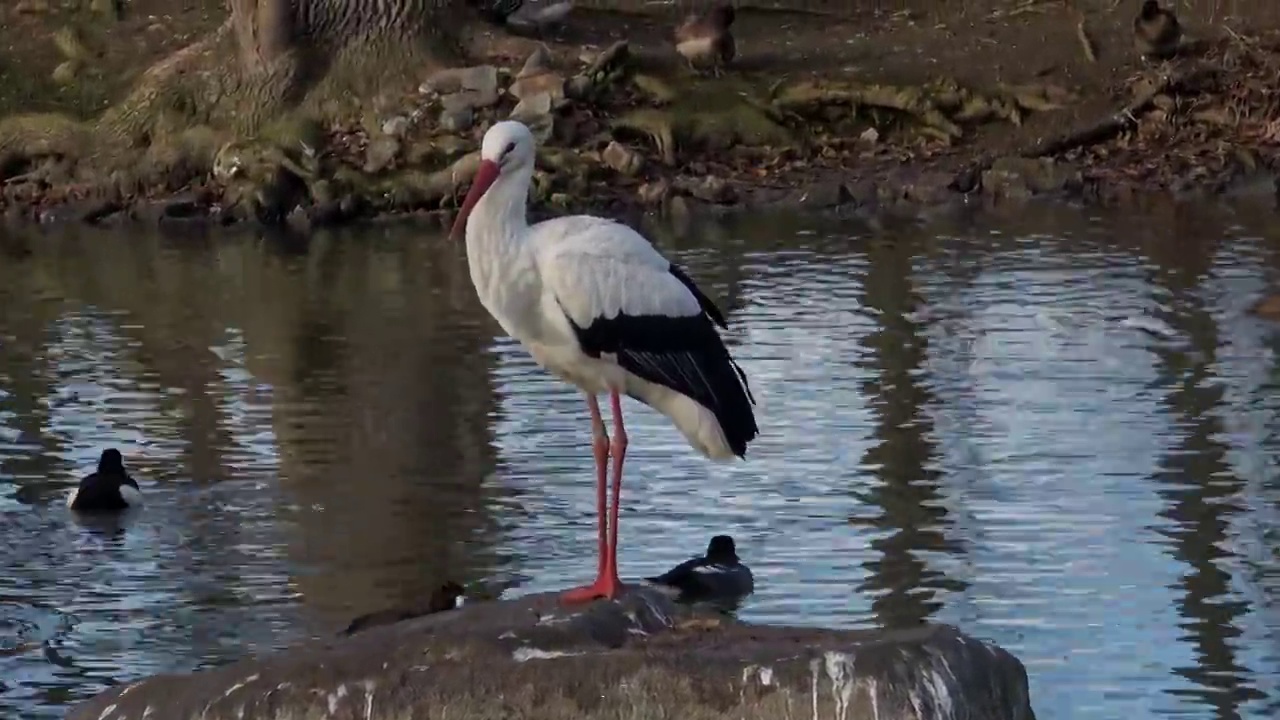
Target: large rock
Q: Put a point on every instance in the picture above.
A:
(638, 657)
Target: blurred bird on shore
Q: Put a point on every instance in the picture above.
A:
(705, 40)
(1156, 32)
(537, 16)
(495, 12)
(521, 15)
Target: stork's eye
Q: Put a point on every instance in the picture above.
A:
(510, 146)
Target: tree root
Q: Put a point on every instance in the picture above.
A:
(938, 109)
(1123, 119)
(703, 114)
(24, 138)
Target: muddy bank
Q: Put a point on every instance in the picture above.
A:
(640, 656)
(998, 102)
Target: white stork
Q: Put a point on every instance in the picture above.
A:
(594, 303)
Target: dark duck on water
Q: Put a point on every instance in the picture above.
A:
(495, 12)
(717, 576)
(518, 14)
(108, 489)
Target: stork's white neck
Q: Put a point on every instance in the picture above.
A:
(500, 216)
(496, 230)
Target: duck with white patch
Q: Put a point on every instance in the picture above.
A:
(107, 489)
(718, 576)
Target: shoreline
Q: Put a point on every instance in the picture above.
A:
(904, 190)
(627, 132)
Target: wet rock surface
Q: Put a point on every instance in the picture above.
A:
(639, 656)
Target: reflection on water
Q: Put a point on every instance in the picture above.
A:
(1054, 430)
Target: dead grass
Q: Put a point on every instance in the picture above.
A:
(148, 31)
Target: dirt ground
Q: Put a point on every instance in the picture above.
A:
(1201, 121)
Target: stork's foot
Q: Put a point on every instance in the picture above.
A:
(606, 588)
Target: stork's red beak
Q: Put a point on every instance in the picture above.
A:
(485, 177)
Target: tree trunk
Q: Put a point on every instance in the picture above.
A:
(263, 30)
(266, 29)
(272, 55)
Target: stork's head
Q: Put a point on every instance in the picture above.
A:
(507, 147)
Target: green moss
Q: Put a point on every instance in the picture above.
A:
(293, 132)
(704, 113)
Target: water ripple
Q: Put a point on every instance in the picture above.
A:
(1045, 429)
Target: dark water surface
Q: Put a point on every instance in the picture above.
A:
(1056, 429)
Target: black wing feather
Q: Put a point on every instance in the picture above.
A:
(679, 574)
(685, 354)
(704, 302)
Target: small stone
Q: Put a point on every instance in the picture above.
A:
(578, 87)
(178, 207)
(535, 111)
(538, 63)
(350, 205)
(678, 209)
(380, 154)
(1020, 178)
(537, 16)
(476, 86)
(654, 193)
(622, 158)
(547, 83)
(457, 119)
(228, 164)
(870, 136)
(821, 195)
(90, 211)
(930, 187)
(110, 9)
(482, 79)
(396, 126)
(469, 99)
(325, 213)
(710, 189)
(15, 214)
(456, 101)
(451, 147)
(322, 193)
(31, 7)
(299, 220)
(65, 73)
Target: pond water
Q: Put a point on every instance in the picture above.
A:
(1055, 428)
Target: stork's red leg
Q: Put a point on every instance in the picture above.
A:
(600, 447)
(619, 452)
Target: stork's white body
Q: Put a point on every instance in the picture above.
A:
(598, 306)
(531, 277)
